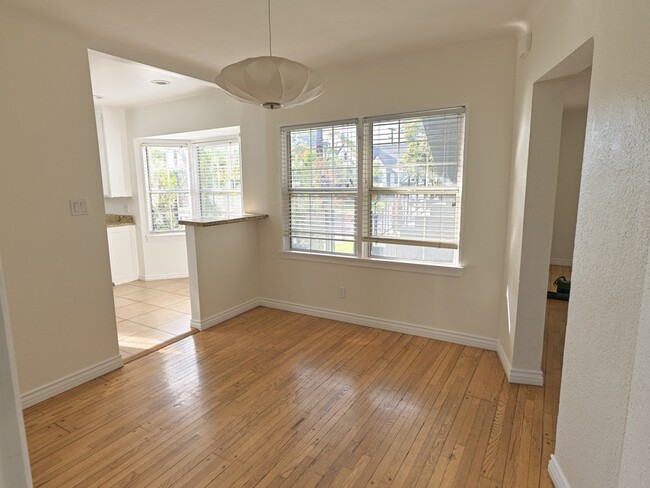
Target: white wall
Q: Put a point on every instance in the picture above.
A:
(166, 256)
(56, 266)
(14, 455)
(224, 271)
(572, 144)
(602, 433)
(558, 30)
(480, 74)
(120, 206)
(606, 345)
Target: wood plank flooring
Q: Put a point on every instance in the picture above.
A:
(278, 399)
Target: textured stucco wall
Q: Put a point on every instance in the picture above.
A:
(606, 342)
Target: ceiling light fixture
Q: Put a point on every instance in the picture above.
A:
(270, 81)
(161, 82)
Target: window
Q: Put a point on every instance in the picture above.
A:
(413, 170)
(219, 178)
(191, 179)
(320, 194)
(408, 207)
(167, 172)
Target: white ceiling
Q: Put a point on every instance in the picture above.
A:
(125, 83)
(200, 37)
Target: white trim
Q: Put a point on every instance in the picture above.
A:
(556, 473)
(519, 376)
(55, 387)
(378, 323)
(167, 276)
(436, 269)
(561, 262)
(225, 315)
(125, 278)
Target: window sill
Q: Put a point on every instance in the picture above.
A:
(434, 269)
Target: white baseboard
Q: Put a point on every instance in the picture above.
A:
(168, 276)
(517, 375)
(119, 280)
(556, 473)
(53, 388)
(378, 323)
(561, 262)
(225, 315)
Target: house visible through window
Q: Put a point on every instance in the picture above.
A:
(191, 179)
(413, 168)
(408, 206)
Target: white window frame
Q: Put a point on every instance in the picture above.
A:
(194, 189)
(288, 191)
(362, 256)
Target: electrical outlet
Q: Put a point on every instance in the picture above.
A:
(341, 292)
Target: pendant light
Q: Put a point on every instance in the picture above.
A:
(270, 81)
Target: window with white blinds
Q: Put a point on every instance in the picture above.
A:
(320, 188)
(408, 207)
(413, 179)
(167, 175)
(219, 178)
(191, 179)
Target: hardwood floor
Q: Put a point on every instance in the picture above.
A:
(278, 399)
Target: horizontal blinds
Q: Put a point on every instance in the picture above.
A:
(218, 174)
(320, 187)
(167, 176)
(413, 180)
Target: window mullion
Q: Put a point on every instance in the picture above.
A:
(194, 181)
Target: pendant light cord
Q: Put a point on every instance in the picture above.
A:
(269, 9)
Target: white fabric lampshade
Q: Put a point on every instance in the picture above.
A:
(271, 82)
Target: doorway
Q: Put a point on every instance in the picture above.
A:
(547, 113)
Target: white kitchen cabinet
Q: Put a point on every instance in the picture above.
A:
(123, 253)
(113, 147)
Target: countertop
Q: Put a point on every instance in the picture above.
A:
(116, 220)
(208, 222)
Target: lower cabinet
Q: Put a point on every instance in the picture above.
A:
(123, 253)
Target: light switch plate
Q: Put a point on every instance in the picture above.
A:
(78, 207)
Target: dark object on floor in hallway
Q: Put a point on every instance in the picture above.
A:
(557, 296)
(563, 287)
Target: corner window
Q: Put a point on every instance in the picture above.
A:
(191, 179)
(408, 206)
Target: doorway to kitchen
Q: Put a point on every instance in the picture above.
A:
(150, 314)
(147, 248)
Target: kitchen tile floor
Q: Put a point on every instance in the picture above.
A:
(150, 313)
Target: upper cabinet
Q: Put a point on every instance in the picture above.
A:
(111, 134)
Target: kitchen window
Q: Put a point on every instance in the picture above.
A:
(186, 180)
(408, 206)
